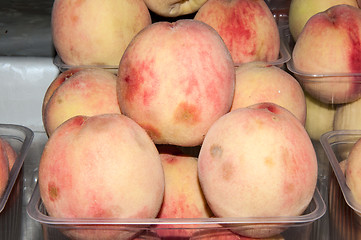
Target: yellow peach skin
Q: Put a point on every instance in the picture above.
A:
(258, 82)
(87, 92)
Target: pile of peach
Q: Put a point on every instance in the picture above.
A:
(195, 123)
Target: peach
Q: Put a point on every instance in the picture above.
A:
(247, 27)
(4, 170)
(55, 84)
(10, 153)
(175, 79)
(319, 118)
(329, 45)
(258, 82)
(95, 32)
(174, 8)
(348, 116)
(183, 197)
(87, 92)
(302, 10)
(104, 166)
(353, 171)
(258, 161)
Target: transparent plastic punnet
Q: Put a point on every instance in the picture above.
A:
(192, 228)
(337, 146)
(20, 138)
(284, 57)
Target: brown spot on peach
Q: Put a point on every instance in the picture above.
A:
(227, 171)
(187, 113)
(269, 161)
(53, 191)
(216, 151)
(152, 131)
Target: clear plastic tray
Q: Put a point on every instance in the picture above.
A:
(337, 145)
(284, 57)
(287, 226)
(20, 138)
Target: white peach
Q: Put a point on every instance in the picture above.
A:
(175, 79)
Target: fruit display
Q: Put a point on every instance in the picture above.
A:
(190, 77)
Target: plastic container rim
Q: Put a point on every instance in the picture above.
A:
(25, 146)
(334, 162)
(284, 57)
(35, 202)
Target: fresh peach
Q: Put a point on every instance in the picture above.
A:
(104, 166)
(330, 45)
(247, 27)
(55, 84)
(183, 197)
(10, 153)
(95, 32)
(302, 10)
(87, 92)
(258, 82)
(175, 79)
(4, 170)
(258, 161)
(174, 8)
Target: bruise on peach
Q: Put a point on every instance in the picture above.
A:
(53, 191)
(152, 131)
(216, 151)
(187, 113)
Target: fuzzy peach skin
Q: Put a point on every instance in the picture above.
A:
(175, 79)
(302, 10)
(87, 92)
(258, 161)
(10, 152)
(353, 171)
(258, 82)
(329, 44)
(247, 27)
(183, 196)
(55, 84)
(96, 32)
(4, 170)
(105, 166)
(174, 8)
